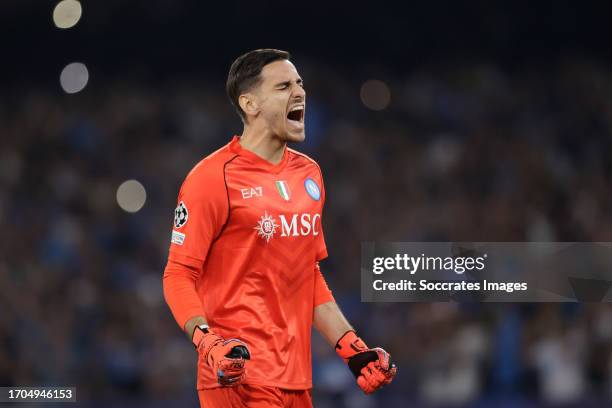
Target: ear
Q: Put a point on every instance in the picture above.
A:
(249, 104)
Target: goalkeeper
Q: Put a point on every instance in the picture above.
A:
(243, 278)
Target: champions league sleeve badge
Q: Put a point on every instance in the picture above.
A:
(312, 188)
(180, 215)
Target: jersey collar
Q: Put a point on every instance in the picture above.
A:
(237, 148)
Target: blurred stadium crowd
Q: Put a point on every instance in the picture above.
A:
(470, 153)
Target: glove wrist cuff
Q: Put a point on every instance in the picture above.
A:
(350, 344)
(197, 336)
(204, 342)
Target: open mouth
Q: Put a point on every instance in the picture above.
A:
(296, 114)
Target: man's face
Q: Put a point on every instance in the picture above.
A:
(282, 100)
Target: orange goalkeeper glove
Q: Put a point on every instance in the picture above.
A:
(371, 367)
(226, 357)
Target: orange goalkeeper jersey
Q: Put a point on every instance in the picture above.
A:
(252, 232)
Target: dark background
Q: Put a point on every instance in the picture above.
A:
(163, 39)
(497, 129)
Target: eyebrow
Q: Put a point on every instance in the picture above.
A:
(286, 83)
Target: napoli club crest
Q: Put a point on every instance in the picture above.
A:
(312, 188)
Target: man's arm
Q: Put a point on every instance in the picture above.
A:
(327, 317)
(372, 367)
(330, 322)
(179, 285)
(225, 357)
(191, 325)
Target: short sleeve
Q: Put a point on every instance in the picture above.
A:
(201, 212)
(322, 294)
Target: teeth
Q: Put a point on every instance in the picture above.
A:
(297, 107)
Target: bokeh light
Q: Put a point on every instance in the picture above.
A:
(74, 77)
(67, 13)
(131, 196)
(375, 94)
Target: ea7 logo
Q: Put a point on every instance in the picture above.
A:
(300, 224)
(251, 192)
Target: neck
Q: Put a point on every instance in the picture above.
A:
(263, 143)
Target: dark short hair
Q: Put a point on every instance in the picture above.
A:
(245, 73)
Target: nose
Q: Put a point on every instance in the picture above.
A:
(299, 92)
